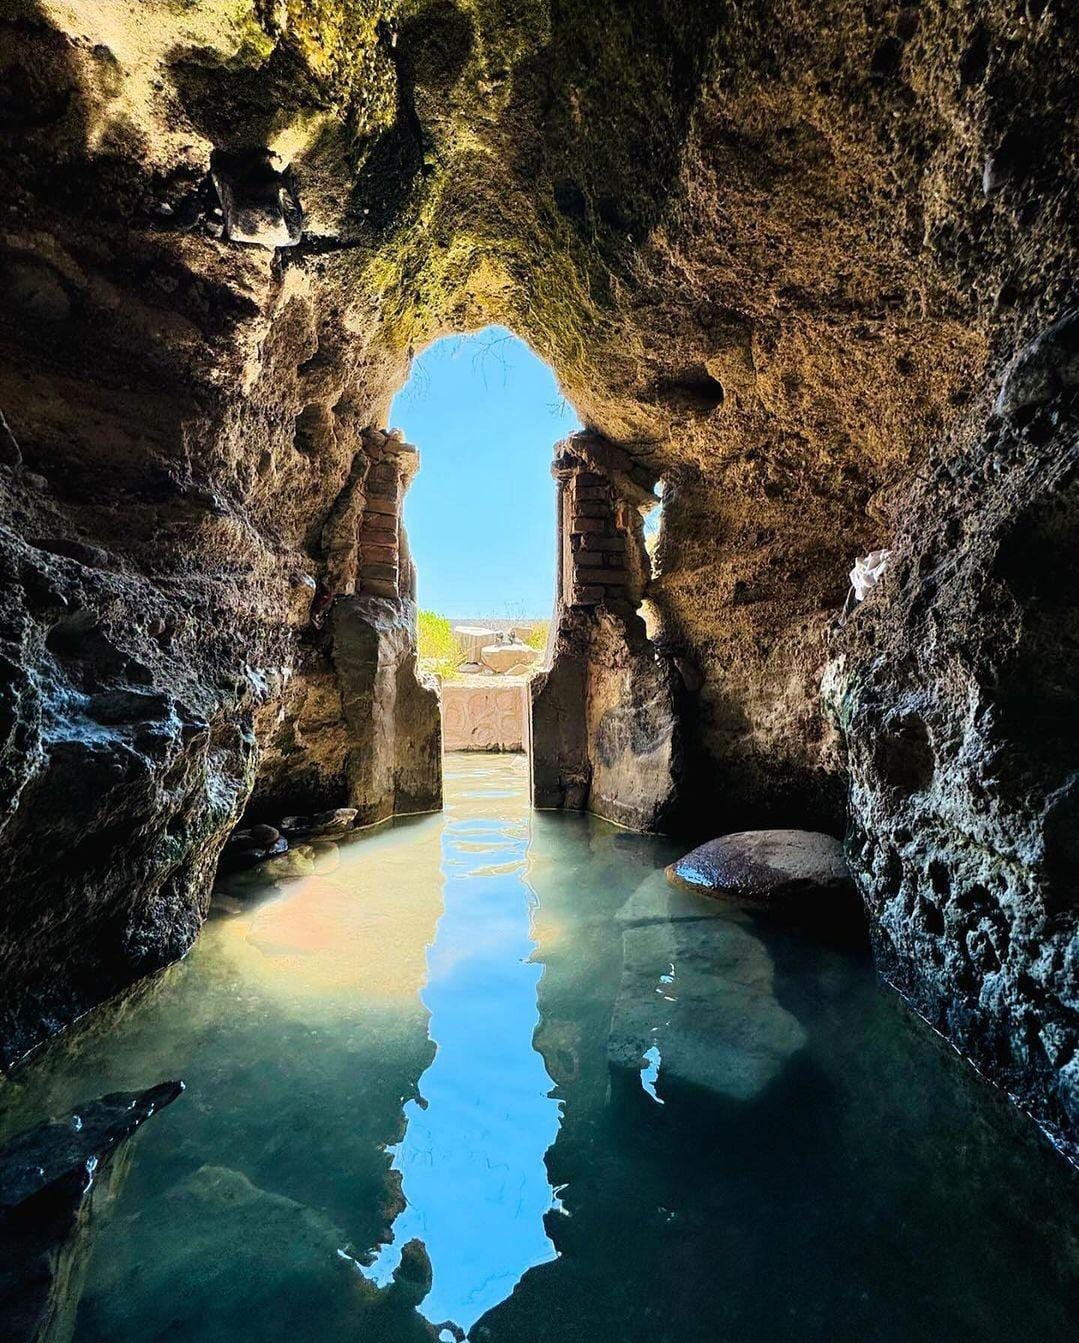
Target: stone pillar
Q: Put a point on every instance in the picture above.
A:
(383, 570)
(604, 728)
(394, 762)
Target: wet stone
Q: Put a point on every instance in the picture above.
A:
(767, 867)
(47, 1176)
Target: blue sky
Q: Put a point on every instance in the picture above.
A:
(485, 413)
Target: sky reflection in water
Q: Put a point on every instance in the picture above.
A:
(472, 1158)
(751, 1137)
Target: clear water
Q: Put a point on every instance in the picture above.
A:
(609, 1112)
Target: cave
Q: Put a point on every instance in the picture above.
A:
(807, 276)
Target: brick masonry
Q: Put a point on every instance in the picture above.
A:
(595, 537)
(384, 568)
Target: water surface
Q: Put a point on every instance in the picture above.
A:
(484, 1072)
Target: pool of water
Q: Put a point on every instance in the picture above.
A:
(484, 1072)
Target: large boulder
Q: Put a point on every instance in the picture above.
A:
(767, 867)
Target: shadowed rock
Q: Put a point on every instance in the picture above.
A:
(697, 998)
(47, 1177)
(259, 203)
(1046, 368)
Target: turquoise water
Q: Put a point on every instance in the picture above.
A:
(608, 1111)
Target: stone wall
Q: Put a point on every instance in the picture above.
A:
(605, 732)
(361, 726)
(490, 717)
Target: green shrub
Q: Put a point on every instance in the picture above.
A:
(537, 636)
(436, 645)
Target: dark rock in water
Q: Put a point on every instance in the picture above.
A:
(252, 845)
(325, 824)
(259, 203)
(336, 822)
(65, 1154)
(47, 1175)
(766, 867)
(412, 1277)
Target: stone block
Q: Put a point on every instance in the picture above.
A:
(589, 508)
(386, 504)
(592, 493)
(377, 587)
(386, 573)
(581, 524)
(372, 553)
(594, 541)
(587, 596)
(380, 525)
(382, 478)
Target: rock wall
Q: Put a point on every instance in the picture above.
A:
(955, 689)
(605, 730)
(780, 255)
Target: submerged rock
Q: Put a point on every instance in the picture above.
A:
(767, 867)
(47, 1175)
(323, 825)
(697, 1001)
(253, 1264)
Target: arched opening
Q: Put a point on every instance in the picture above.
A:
(484, 412)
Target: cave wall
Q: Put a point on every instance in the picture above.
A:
(780, 254)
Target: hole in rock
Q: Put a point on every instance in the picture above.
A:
(485, 413)
(905, 757)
